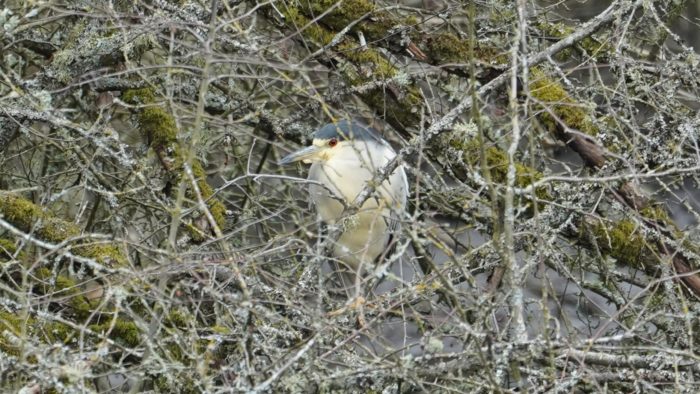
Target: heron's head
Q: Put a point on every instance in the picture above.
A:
(334, 138)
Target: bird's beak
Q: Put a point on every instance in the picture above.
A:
(307, 155)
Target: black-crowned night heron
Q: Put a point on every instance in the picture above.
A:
(344, 157)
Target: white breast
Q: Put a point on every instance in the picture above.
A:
(366, 234)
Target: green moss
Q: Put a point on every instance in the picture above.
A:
(350, 10)
(623, 241)
(15, 325)
(78, 302)
(216, 208)
(7, 248)
(29, 217)
(441, 47)
(589, 44)
(448, 48)
(175, 352)
(374, 28)
(659, 214)
(179, 319)
(161, 131)
(158, 125)
(155, 122)
(125, 332)
(65, 291)
(139, 96)
(377, 66)
(370, 65)
(19, 211)
(58, 332)
(108, 254)
(221, 330)
(20, 326)
(313, 31)
(380, 67)
(553, 99)
(57, 230)
(656, 213)
(497, 160)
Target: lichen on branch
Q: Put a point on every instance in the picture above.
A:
(160, 129)
(31, 218)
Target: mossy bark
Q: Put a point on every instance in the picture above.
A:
(589, 44)
(31, 218)
(367, 67)
(624, 240)
(398, 33)
(160, 129)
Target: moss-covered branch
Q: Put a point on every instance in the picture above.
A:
(589, 44)
(31, 218)
(397, 33)
(571, 123)
(160, 130)
(15, 326)
(497, 161)
(367, 67)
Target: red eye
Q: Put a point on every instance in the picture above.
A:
(332, 142)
